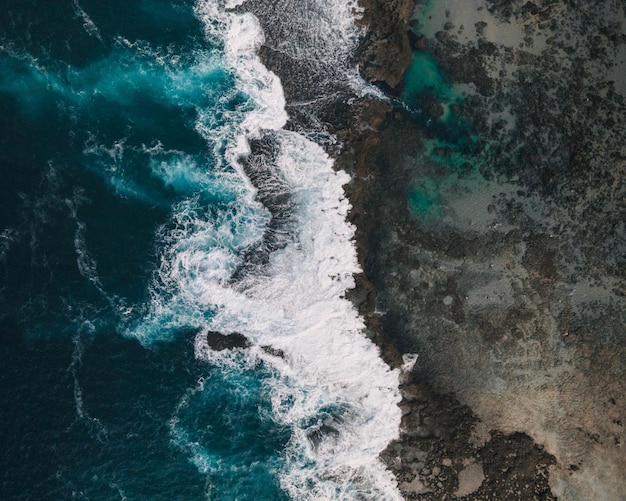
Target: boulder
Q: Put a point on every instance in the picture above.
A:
(219, 342)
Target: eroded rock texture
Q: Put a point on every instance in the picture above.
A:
(489, 196)
(504, 270)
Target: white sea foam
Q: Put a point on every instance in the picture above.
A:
(242, 35)
(199, 455)
(96, 428)
(7, 237)
(86, 264)
(331, 387)
(88, 24)
(299, 310)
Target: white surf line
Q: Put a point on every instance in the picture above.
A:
(299, 306)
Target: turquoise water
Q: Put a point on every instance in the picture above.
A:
(451, 143)
(424, 199)
(423, 75)
(129, 229)
(100, 145)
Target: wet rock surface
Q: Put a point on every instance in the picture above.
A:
(440, 437)
(385, 52)
(220, 342)
(260, 168)
(506, 275)
(445, 453)
(490, 227)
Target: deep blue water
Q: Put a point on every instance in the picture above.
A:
(126, 227)
(94, 121)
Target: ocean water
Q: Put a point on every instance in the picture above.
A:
(451, 143)
(130, 228)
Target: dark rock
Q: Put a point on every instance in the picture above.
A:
(418, 42)
(531, 8)
(385, 53)
(433, 107)
(275, 352)
(220, 342)
(272, 192)
(318, 433)
(564, 153)
(561, 157)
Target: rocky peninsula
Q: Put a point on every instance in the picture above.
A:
(489, 199)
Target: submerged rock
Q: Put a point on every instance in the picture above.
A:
(275, 352)
(318, 433)
(510, 260)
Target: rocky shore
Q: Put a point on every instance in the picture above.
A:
(506, 275)
(490, 209)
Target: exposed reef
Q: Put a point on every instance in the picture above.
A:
(385, 52)
(496, 240)
(442, 441)
(489, 199)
